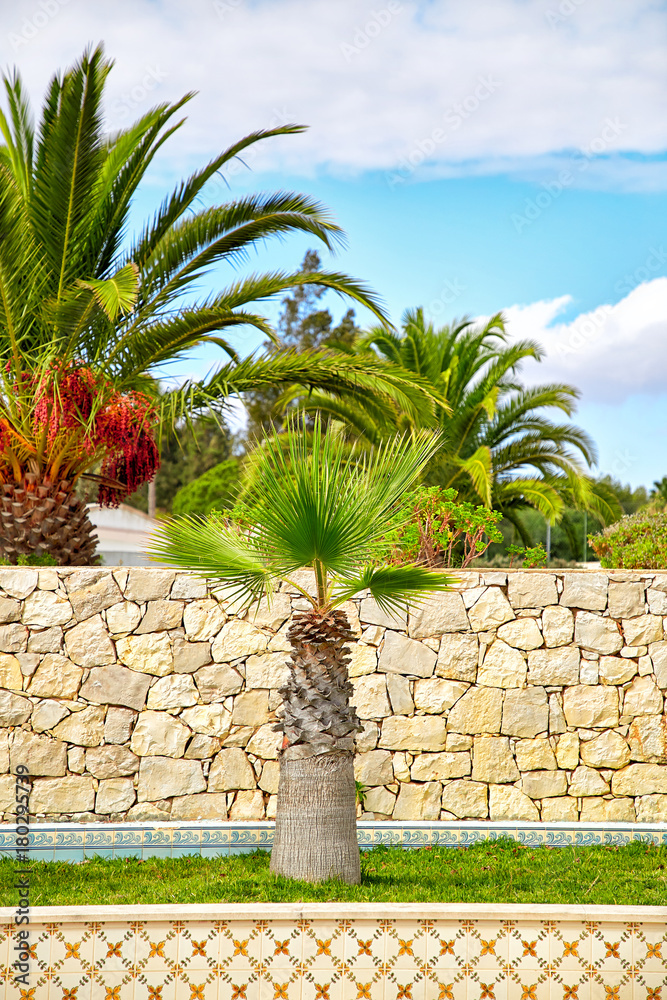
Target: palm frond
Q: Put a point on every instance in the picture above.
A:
(394, 588)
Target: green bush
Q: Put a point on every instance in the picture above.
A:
(638, 541)
(214, 490)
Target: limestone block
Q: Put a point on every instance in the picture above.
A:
(84, 729)
(640, 779)
(56, 677)
(201, 747)
(588, 671)
(149, 812)
(251, 709)
(13, 638)
(217, 681)
(557, 723)
(76, 760)
(492, 609)
(466, 799)
(10, 611)
(525, 712)
(492, 760)
(379, 801)
(642, 630)
(544, 784)
(47, 714)
(591, 707)
(115, 685)
(174, 691)
(270, 777)
(478, 711)
(657, 602)
(372, 614)
(14, 710)
(626, 600)
(643, 697)
(8, 794)
(158, 734)
(435, 695)
(89, 645)
(597, 633)
(418, 801)
(62, 795)
(270, 670)
(523, 633)
(18, 582)
(609, 749)
(123, 618)
(554, 666)
(406, 656)
(535, 755)
(92, 598)
(585, 590)
(28, 662)
(532, 590)
(48, 640)
(502, 667)
(647, 737)
(587, 781)
(238, 736)
(210, 720)
(658, 654)
(508, 802)
(557, 626)
(458, 656)
(114, 795)
(567, 751)
(265, 743)
(149, 584)
(364, 660)
(398, 689)
(230, 770)
(11, 676)
(651, 808)
(188, 588)
(437, 614)
(370, 696)
(372, 635)
(163, 777)
(367, 739)
(598, 810)
(207, 805)
(203, 619)
(374, 768)
(247, 806)
(41, 754)
(149, 654)
(419, 732)
(271, 614)
(401, 766)
(111, 762)
(118, 725)
(189, 656)
(237, 639)
(45, 608)
(439, 766)
(161, 615)
(561, 810)
(616, 670)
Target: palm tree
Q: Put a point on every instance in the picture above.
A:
(499, 446)
(312, 503)
(90, 318)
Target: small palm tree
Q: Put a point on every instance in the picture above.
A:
(311, 503)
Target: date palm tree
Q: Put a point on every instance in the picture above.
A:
(89, 317)
(311, 503)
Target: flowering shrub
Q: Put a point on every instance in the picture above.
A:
(638, 541)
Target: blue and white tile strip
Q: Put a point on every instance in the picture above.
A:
(76, 841)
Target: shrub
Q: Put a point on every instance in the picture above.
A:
(638, 541)
(214, 490)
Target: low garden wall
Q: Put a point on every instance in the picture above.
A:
(531, 695)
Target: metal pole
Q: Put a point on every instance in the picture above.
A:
(548, 546)
(151, 498)
(585, 534)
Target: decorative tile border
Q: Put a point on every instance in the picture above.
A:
(333, 951)
(76, 841)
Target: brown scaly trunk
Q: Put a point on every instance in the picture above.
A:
(42, 518)
(316, 828)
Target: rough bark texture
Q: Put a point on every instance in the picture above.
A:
(316, 834)
(41, 518)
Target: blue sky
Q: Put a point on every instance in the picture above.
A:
(499, 155)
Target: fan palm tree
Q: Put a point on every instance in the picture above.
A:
(312, 503)
(90, 317)
(499, 446)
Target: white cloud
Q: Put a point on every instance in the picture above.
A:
(611, 353)
(487, 86)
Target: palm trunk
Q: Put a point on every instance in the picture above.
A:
(316, 831)
(41, 518)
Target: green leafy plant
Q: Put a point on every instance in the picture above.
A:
(635, 542)
(360, 792)
(214, 490)
(440, 530)
(534, 556)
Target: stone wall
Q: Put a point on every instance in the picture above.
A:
(522, 695)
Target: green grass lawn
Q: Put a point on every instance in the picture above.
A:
(500, 872)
